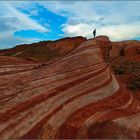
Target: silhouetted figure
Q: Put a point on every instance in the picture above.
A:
(94, 33)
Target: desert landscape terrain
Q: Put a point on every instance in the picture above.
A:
(72, 88)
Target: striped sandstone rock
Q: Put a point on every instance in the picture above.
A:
(74, 97)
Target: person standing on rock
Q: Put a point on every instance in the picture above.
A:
(94, 32)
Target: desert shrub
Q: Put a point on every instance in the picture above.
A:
(118, 70)
(134, 84)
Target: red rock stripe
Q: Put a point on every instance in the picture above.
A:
(68, 76)
(65, 59)
(53, 84)
(14, 71)
(88, 111)
(88, 80)
(47, 75)
(115, 114)
(39, 125)
(8, 128)
(30, 103)
(83, 49)
(71, 55)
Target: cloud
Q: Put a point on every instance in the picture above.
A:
(23, 20)
(5, 24)
(77, 9)
(12, 20)
(117, 19)
(76, 30)
(34, 12)
(115, 32)
(13, 41)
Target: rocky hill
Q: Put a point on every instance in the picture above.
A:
(44, 50)
(75, 96)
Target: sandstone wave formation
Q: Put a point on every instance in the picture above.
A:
(75, 97)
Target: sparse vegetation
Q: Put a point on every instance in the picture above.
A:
(44, 51)
(128, 70)
(118, 70)
(134, 84)
(41, 53)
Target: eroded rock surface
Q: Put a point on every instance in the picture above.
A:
(45, 50)
(77, 96)
(125, 48)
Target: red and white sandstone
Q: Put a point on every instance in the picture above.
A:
(77, 96)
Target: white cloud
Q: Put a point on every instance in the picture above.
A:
(76, 9)
(12, 20)
(77, 30)
(121, 31)
(13, 41)
(23, 20)
(117, 19)
(114, 32)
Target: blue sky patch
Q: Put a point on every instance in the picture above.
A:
(51, 21)
(31, 21)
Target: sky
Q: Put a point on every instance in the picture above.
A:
(32, 21)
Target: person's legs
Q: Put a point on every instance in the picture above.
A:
(94, 34)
